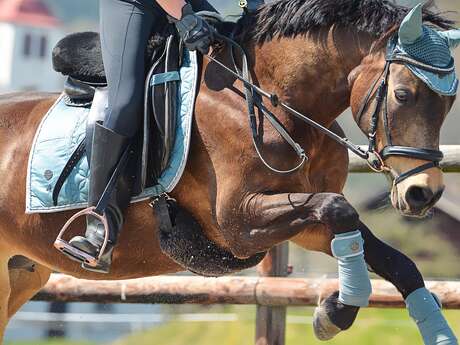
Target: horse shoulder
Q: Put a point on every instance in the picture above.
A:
(329, 170)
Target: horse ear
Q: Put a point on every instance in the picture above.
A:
(452, 36)
(412, 26)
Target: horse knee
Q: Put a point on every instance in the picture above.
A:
(339, 215)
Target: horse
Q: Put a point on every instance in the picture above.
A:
(320, 56)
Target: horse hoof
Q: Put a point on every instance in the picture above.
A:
(323, 327)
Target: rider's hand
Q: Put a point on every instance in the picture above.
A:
(196, 33)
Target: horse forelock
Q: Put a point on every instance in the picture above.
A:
(291, 18)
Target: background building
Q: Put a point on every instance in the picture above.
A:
(28, 31)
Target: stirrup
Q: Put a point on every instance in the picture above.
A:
(74, 253)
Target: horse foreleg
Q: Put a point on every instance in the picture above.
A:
(270, 219)
(25, 284)
(402, 272)
(5, 290)
(331, 316)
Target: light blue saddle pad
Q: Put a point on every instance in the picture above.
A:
(63, 128)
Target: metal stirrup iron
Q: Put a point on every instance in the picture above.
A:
(98, 212)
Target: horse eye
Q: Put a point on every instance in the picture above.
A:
(402, 95)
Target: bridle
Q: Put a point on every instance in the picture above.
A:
(254, 98)
(377, 159)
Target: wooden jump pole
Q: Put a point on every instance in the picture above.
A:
(226, 290)
(271, 320)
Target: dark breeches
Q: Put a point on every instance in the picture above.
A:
(125, 30)
(126, 26)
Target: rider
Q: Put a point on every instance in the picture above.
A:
(125, 28)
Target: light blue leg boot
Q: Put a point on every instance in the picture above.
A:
(354, 284)
(425, 309)
(355, 287)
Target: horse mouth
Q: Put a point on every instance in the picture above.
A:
(421, 214)
(400, 204)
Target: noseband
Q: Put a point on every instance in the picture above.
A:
(377, 159)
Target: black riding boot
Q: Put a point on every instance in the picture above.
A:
(107, 149)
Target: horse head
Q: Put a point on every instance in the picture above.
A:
(401, 94)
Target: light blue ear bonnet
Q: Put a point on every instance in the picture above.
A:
(431, 51)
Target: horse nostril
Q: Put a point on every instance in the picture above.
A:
(419, 197)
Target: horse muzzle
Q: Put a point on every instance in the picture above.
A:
(415, 199)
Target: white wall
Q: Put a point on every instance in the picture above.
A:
(33, 72)
(6, 55)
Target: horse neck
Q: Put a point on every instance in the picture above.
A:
(311, 72)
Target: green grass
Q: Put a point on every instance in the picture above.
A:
(49, 342)
(373, 327)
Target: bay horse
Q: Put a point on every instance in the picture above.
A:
(320, 56)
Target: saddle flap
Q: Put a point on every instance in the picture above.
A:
(160, 124)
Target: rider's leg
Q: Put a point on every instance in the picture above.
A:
(125, 30)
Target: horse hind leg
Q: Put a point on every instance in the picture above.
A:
(5, 290)
(26, 279)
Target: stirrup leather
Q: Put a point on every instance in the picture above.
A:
(76, 254)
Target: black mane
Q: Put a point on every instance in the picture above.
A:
(290, 18)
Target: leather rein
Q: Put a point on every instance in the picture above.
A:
(376, 160)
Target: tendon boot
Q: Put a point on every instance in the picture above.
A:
(107, 154)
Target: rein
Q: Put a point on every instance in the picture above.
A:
(255, 95)
(254, 98)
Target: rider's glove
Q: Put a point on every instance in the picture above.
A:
(196, 33)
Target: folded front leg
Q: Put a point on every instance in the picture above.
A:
(266, 220)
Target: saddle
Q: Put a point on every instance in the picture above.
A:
(78, 56)
(181, 237)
